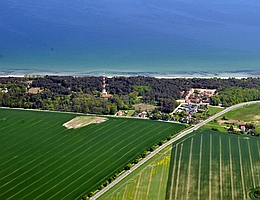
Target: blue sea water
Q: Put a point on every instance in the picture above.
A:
(167, 38)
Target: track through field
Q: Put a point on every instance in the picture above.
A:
(207, 160)
(228, 169)
(42, 159)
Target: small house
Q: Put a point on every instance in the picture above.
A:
(119, 113)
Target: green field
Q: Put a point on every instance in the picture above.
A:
(214, 110)
(246, 113)
(205, 165)
(41, 159)
(147, 182)
(214, 165)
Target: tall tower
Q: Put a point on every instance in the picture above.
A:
(104, 92)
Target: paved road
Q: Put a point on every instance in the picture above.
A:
(181, 134)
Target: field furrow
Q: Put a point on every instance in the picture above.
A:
(231, 169)
(210, 165)
(241, 169)
(149, 183)
(200, 161)
(47, 160)
(189, 171)
(220, 170)
(172, 177)
(178, 173)
(251, 164)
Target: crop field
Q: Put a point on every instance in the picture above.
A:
(214, 165)
(205, 165)
(147, 182)
(42, 159)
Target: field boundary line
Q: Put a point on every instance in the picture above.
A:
(258, 149)
(258, 168)
(231, 170)
(92, 168)
(200, 160)
(125, 191)
(178, 173)
(241, 168)
(149, 184)
(251, 164)
(159, 192)
(220, 168)
(188, 181)
(137, 186)
(210, 164)
(173, 174)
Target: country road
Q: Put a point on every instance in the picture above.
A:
(179, 136)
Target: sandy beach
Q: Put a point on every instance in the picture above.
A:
(110, 73)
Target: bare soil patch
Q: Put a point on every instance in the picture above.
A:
(82, 121)
(231, 121)
(257, 117)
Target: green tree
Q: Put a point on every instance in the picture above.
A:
(128, 166)
(231, 129)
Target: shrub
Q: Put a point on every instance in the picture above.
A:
(257, 194)
(100, 187)
(110, 179)
(128, 166)
(90, 194)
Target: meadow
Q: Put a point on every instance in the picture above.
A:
(205, 165)
(41, 159)
(246, 114)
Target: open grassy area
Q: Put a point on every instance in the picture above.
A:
(41, 159)
(247, 113)
(242, 115)
(214, 110)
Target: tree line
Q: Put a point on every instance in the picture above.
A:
(83, 94)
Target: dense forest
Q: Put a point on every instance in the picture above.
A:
(83, 94)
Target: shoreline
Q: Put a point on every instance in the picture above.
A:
(239, 74)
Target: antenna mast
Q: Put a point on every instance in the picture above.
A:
(104, 92)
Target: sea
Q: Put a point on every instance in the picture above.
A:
(166, 38)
